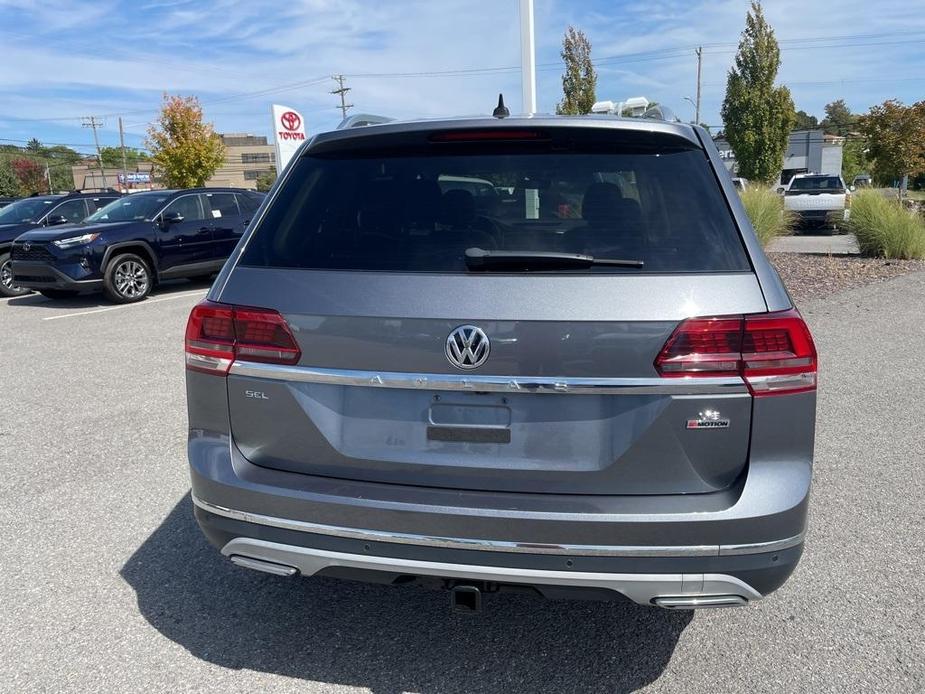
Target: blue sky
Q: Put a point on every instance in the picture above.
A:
(63, 59)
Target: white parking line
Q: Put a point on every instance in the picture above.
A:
(116, 308)
(21, 296)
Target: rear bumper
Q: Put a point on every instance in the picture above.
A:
(743, 542)
(823, 216)
(45, 276)
(679, 581)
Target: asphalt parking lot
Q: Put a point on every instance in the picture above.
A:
(107, 584)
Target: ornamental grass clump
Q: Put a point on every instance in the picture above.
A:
(766, 211)
(885, 229)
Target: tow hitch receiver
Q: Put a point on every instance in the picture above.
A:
(466, 599)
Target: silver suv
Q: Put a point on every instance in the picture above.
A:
(541, 354)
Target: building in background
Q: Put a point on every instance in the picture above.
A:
(808, 151)
(87, 176)
(246, 157)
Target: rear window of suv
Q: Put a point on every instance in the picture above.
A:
(418, 209)
(828, 184)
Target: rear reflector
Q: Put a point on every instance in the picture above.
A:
(217, 334)
(773, 352)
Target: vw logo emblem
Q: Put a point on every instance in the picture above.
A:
(467, 347)
(27, 246)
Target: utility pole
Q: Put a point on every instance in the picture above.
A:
(527, 56)
(92, 122)
(699, 52)
(342, 92)
(122, 145)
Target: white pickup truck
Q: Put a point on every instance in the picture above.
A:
(820, 200)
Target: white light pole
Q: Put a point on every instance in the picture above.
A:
(527, 56)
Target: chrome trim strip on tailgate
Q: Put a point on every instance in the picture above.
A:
(499, 545)
(493, 384)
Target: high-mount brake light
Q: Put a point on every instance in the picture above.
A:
(772, 352)
(495, 134)
(217, 334)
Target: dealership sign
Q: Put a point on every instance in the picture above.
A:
(288, 133)
(136, 177)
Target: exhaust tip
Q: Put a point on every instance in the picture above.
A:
(690, 602)
(268, 567)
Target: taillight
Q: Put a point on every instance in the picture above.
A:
(772, 352)
(217, 334)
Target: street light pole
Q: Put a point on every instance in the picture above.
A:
(527, 56)
(699, 68)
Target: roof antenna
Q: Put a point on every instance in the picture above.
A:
(501, 111)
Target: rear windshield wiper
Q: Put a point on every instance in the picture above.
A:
(480, 259)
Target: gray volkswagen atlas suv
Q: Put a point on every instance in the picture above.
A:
(541, 354)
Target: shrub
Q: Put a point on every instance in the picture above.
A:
(884, 228)
(766, 211)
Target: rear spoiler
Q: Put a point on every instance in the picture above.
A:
(361, 119)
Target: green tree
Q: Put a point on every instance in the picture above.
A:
(34, 146)
(838, 119)
(265, 180)
(895, 139)
(9, 184)
(185, 151)
(854, 158)
(804, 121)
(112, 157)
(757, 116)
(579, 81)
(62, 154)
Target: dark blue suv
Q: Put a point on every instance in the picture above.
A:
(20, 216)
(128, 246)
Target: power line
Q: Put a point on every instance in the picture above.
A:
(809, 43)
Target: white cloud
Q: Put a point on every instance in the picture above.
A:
(52, 63)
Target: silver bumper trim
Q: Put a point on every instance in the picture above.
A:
(499, 545)
(492, 384)
(669, 590)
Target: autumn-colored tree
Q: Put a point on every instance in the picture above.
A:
(579, 82)
(30, 174)
(185, 151)
(757, 116)
(896, 138)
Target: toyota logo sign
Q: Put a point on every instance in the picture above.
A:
(290, 120)
(289, 132)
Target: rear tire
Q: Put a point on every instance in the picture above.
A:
(127, 279)
(7, 288)
(58, 293)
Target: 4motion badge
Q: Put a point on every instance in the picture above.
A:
(708, 419)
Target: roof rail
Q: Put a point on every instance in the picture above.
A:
(360, 119)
